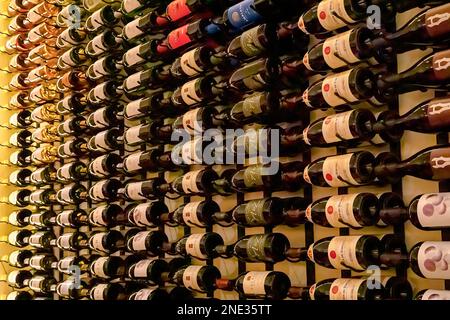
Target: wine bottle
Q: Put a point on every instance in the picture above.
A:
(102, 291)
(18, 279)
(108, 267)
(195, 182)
(353, 169)
(18, 258)
(73, 148)
(43, 262)
(140, 55)
(111, 241)
(429, 72)
(45, 134)
(270, 248)
(273, 285)
(65, 265)
(42, 219)
(72, 218)
(75, 103)
(72, 58)
(18, 24)
(104, 92)
(46, 154)
(430, 294)
(20, 100)
(17, 238)
(105, 166)
(149, 214)
(347, 289)
(355, 253)
(348, 87)
(21, 119)
(130, 8)
(106, 16)
(19, 198)
(428, 164)
(73, 80)
(148, 105)
(155, 271)
(147, 189)
(154, 294)
(152, 160)
(44, 93)
(153, 132)
(72, 194)
(72, 126)
(200, 246)
(109, 216)
(105, 190)
(45, 113)
(42, 239)
(198, 214)
(19, 218)
(429, 259)
(19, 295)
(72, 171)
(42, 284)
(195, 91)
(42, 53)
(43, 176)
(19, 62)
(356, 210)
(197, 278)
(397, 288)
(105, 141)
(20, 178)
(135, 85)
(108, 40)
(153, 243)
(71, 37)
(74, 241)
(104, 67)
(43, 197)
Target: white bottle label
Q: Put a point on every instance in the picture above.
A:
(35, 239)
(96, 242)
(190, 275)
(14, 157)
(188, 63)
(96, 167)
(133, 81)
(189, 94)
(138, 241)
(96, 191)
(63, 195)
(331, 13)
(132, 162)
(434, 259)
(13, 258)
(189, 182)
(98, 292)
(13, 140)
(132, 109)
(36, 282)
(64, 241)
(143, 294)
(340, 208)
(345, 289)
(97, 46)
(192, 151)
(12, 237)
(13, 177)
(35, 261)
(133, 57)
(98, 267)
(140, 268)
(101, 141)
(130, 5)
(96, 216)
(254, 283)
(336, 127)
(433, 210)
(131, 30)
(336, 86)
(63, 289)
(98, 68)
(190, 123)
(139, 214)
(190, 216)
(436, 295)
(65, 263)
(132, 135)
(337, 50)
(95, 20)
(336, 171)
(193, 246)
(64, 218)
(134, 191)
(342, 250)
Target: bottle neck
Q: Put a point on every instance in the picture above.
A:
(394, 216)
(297, 254)
(294, 217)
(225, 284)
(224, 250)
(398, 169)
(298, 293)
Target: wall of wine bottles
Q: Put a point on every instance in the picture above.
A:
(255, 149)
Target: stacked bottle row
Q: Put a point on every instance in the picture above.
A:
(137, 75)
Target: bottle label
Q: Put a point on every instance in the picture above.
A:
(438, 113)
(133, 81)
(190, 276)
(36, 283)
(306, 61)
(96, 167)
(332, 14)
(312, 292)
(253, 105)
(440, 163)
(433, 259)
(179, 37)
(64, 241)
(337, 171)
(95, 20)
(96, 191)
(190, 216)
(96, 216)
(130, 5)
(13, 140)
(98, 68)
(101, 141)
(63, 173)
(189, 182)
(441, 65)
(13, 177)
(192, 151)
(14, 158)
(433, 210)
(13, 258)
(99, 118)
(12, 238)
(63, 289)
(345, 289)
(64, 264)
(193, 246)
(64, 218)
(254, 283)
(337, 127)
(132, 30)
(98, 292)
(98, 267)
(133, 57)
(35, 196)
(131, 163)
(177, 10)
(437, 21)
(190, 121)
(143, 294)
(189, 63)
(336, 87)
(134, 191)
(96, 242)
(342, 251)
(67, 148)
(132, 109)
(250, 43)
(132, 135)
(139, 214)
(340, 208)
(254, 212)
(255, 248)
(253, 176)
(436, 295)
(242, 15)
(308, 213)
(138, 241)
(140, 268)
(306, 176)
(337, 51)
(35, 239)
(189, 93)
